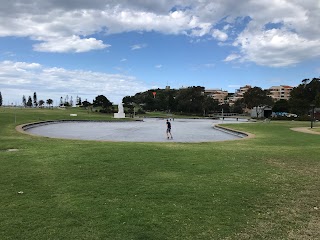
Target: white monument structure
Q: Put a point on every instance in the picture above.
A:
(120, 113)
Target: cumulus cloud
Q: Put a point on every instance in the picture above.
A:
(219, 35)
(70, 44)
(53, 82)
(276, 47)
(246, 24)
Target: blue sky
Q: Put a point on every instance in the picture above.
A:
(119, 48)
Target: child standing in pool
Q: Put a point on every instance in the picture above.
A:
(168, 129)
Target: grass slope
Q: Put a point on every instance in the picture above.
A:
(261, 188)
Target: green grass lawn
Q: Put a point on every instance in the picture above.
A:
(267, 187)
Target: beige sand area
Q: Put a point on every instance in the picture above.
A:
(305, 130)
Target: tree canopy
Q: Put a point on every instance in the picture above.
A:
(102, 101)
(190, 100)
(302, 96)
(85, 103)
(255, 97)
(35, 101)
(281, 106)
(41, 102)
(29, 102)
(49, 102)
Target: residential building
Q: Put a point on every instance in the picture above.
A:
(238, 94)
(217, 94)
(280, 92)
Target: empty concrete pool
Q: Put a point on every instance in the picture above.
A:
(148, 130)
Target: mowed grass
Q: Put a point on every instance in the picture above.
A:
(266, 187)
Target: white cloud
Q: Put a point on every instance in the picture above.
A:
(232, 57)
(70, 44)
(219, 35)
(69, 26)
(276, 47)
(158, 66)
(138, 46)
(56, 82)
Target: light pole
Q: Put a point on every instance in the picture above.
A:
(312, 114)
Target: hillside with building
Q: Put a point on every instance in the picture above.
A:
(276, 101)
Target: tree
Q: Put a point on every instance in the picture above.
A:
(303, 95)
(78, 101)
(24, 101)
(35, 102)
(85, 103)
(190, 100)
(29, 102)
(128, 102)
(305, 81)
(102, 101)
(225, 107)
(49, 102)
(317, 100)
(255, 97)
(281, 106)
(0, 99)
(238, 106)
(41, 102)
(66, 101)
(209, 104)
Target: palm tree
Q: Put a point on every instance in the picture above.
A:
(49, 102)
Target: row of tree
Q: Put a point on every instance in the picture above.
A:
(188, 100)
(33, 102)
(193, 100)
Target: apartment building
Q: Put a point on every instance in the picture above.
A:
(280, 92)
(217, 94)
(238, 94)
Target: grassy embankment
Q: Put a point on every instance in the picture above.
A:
(261, 188)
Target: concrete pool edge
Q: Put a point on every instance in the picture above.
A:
(240, 134)
(23, 127)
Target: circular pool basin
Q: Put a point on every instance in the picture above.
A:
(148, 130)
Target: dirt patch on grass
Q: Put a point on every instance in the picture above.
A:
(305, 130)
(311, 231)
